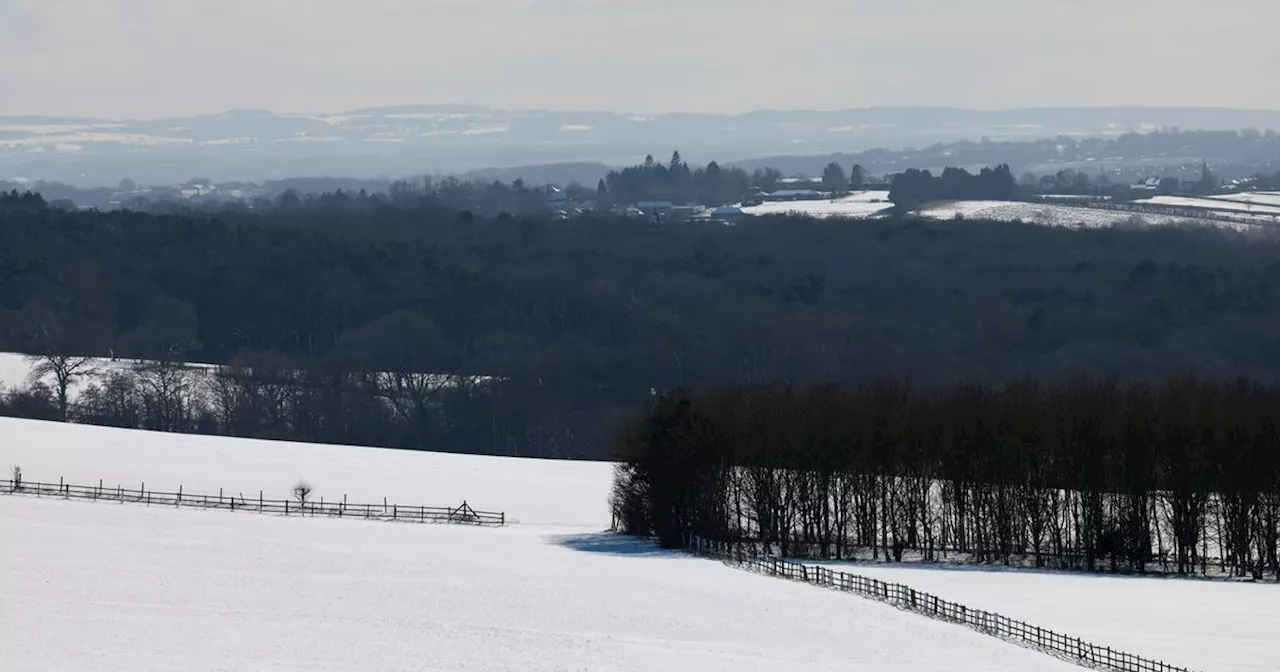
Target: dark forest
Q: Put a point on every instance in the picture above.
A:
(410, 324)
(1177, 477)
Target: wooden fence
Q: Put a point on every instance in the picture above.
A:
(1068, 648)
(462, 514)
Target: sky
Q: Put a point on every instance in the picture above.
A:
(164, 58)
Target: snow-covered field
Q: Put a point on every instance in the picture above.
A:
(1045, 214)
(1266, 198)
(1203, 625)
(871, 204)
(858, 206)
(91, 586)
(1245, 205)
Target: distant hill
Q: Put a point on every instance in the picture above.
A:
(553, 173)
(453, 139)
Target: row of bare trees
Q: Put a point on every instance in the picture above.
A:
(1179, 476)
(262, 397)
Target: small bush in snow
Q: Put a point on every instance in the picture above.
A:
(302, 492)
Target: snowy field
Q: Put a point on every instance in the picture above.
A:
(858, 206)
(92, 586)
(1244, 205)
(1045, 214)
(1204, 625)
(864, 206)
(1265, 198)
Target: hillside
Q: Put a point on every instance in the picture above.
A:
(418, 139)
(153, 588)
(1229, 630)
(576, 321)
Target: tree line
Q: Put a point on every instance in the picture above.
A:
(674, 181)
(1179, 475)
(914, 187)
(572, 323)
(260, 396)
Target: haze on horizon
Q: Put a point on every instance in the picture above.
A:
(160, 58)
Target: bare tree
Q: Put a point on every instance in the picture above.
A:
(170, 393)
(65, 370)
(302, 492)
(17, 477)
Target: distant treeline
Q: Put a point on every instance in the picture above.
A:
(1180, 476)
(914, 187)
(674, 181)
(28, 200)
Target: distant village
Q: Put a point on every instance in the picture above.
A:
(574, 200)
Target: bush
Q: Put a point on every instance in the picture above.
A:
(302, 492)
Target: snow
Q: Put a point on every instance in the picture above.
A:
(1049, 214)
(1212, 204)
(431, 116)
(15, 368)
(312, 138)
(524, 489)
(862, 206)
(1204, 625)
(38, 129)
(486, 129)
(857, 206)
(158, 589)
(227, 141)
(1256, 198)
(154, 588)
(93, 137)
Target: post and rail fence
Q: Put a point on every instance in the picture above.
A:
(1071, 649)
(462, 514)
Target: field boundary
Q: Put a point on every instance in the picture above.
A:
(463, 514)
(1067, 648)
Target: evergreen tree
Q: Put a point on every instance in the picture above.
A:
(834, 179)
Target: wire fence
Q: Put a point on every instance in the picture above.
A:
(463, 514)
(904, 597)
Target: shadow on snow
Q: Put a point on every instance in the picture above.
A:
(611, 543)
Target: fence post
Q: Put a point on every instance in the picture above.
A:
(259, 500)
(179, 503)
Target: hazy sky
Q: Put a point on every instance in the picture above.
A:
(147, 58)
